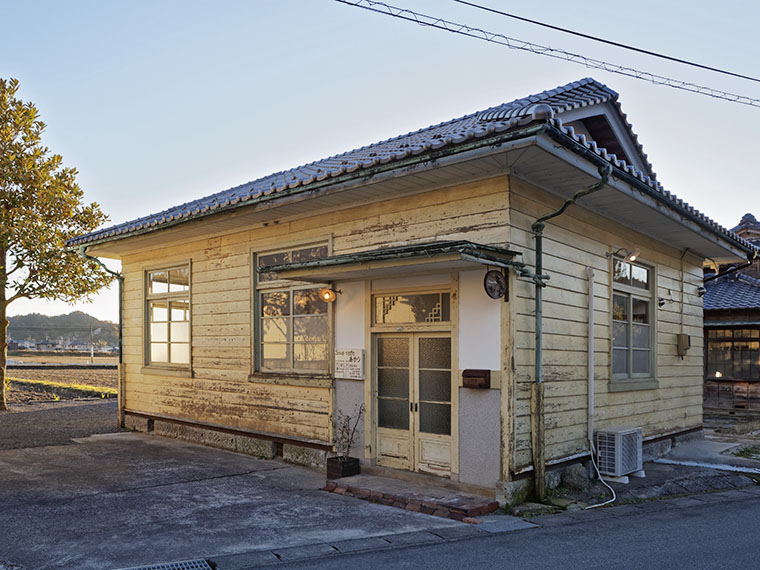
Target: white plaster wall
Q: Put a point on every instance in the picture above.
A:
(349, 395)
(349, 315)
(349, 333)
(400, 283)
(479, 429)
(479, 324)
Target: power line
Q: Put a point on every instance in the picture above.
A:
(512, 43)
(609, 42)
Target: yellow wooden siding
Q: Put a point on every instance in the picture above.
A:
(221, 390)
(572, 242)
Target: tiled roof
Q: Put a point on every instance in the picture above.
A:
(448, 134)
(733, 291)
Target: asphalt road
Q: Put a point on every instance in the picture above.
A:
(714, 532)
(38, 424)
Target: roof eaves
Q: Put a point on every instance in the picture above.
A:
(589, 149)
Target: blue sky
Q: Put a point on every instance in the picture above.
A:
(163, 101)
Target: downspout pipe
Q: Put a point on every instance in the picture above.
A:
(537, 395)
(732, 269)
(120, 278)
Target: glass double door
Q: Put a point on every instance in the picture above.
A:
(414, 408)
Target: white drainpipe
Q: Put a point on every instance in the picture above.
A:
(590, 276)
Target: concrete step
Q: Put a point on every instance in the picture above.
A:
(447, 503)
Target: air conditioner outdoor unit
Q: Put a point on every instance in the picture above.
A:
(618, 451)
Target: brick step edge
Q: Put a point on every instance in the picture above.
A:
(444, 509)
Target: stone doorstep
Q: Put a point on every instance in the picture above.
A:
(444, 504)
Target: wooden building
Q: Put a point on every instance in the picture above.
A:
(732, 332)
(425, 247)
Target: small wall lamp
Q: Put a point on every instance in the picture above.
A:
(328, 295)
(630, 255)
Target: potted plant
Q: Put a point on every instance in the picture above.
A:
(343, 465)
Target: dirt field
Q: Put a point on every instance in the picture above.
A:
(98, 378)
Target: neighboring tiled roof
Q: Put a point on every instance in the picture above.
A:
(451, 133)
(732, 291)
(748, 222)
(749, 229)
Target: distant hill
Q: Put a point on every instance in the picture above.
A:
(74, 326)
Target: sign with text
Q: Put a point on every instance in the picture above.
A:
(349, 363)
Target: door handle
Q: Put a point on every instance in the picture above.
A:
(413, 407)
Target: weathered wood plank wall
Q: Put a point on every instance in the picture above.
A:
(221, 390)
(572, 242)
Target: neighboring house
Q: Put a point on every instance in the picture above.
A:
(227, 330)
(48, 345)
(732, 331)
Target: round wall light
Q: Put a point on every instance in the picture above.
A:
(328, 295)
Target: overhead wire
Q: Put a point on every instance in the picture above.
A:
(512, 43)
(608, 42)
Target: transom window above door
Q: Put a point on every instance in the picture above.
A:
(411, 308)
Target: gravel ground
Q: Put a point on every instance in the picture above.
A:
(36, 424)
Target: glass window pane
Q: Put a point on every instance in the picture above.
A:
(393, 382)
(621, 272)
(619, 308)
(424, 308)
(180, 332)
(275, 329)
(640, 311)
(312, 356)
(310, 329)
(159, 311)
(180, 353)
(640, 277)
(640, 362)
(307, 302)
(435, 385)
(158, 282)
(159, 352)
(179, 280)
(393, 414)
(393, 352)
(309, 253)
(275, 304)
(275, 356)
(270, 259)
(640, 336)
(435, 418)
(435, 353)
(159, 332)
(620, 335)
(179, 311)
(619, 361)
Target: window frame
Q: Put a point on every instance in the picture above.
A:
(727, 334)
(168, 297)
(261, 287)
(630, 379)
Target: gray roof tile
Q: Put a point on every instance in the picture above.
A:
(733, 291)
(474, 126)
